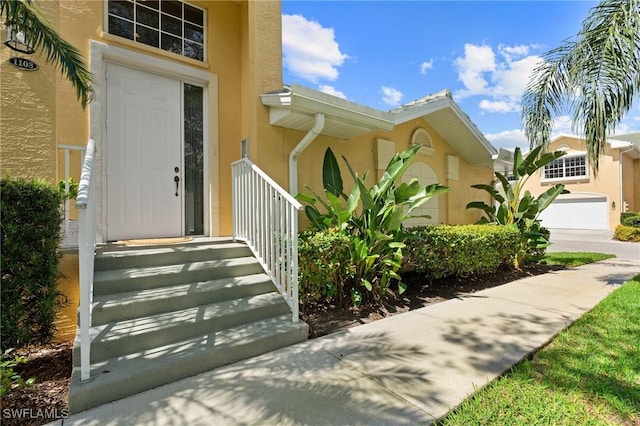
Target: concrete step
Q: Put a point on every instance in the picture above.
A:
(119, 377)
(135, 335)
(119, 257)
(144, 278)
(140, 303)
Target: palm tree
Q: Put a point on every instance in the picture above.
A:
(24, 15)
(593, 77)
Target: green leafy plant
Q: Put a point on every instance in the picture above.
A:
(73, 188)
(372, 218)
(440, 251)
(9, 377)
(30, 220)
(630, 219)
(324, 266)
(517, 207)
(627, 233)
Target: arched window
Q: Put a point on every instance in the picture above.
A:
(421, 137)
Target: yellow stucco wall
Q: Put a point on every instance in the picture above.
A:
(606, 183)
(28, 113)
(68, 285)
(361, 154)
(39, 110)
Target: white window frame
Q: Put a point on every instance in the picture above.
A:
(424, 149)
(565, 178)
(134, 2)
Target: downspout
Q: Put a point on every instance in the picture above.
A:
(631, 148)
(318, 125)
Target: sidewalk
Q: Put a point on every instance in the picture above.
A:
(405, 370)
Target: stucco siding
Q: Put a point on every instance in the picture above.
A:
(606, 183)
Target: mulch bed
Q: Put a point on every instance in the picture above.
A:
(51, 364)
(46, 401)
(326, 319)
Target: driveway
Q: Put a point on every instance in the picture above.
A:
(594, 241)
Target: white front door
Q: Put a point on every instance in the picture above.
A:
(143, 155)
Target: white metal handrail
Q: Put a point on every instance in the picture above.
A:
(86, 205)
(265, 217)
(67, 149)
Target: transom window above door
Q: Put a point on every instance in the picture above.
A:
(170, 25)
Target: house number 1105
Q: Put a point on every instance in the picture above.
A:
(23, 64)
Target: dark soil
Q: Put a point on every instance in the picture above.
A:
(326, 319)
(51, 364)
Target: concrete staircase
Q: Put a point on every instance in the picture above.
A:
(162, 313)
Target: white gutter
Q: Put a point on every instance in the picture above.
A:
(631, 148)
(318, 125)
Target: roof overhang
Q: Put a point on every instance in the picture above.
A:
(632, 149)
(446, 117)
(295, 107)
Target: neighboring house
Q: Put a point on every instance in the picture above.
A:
(593, 202)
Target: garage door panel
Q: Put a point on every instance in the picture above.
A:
(576, 213)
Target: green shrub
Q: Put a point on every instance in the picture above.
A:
(463, 250)
(372, 218)
(324, 266)
(630, 219)
(627, 233)
(517, 207)
(30, 221)
(9, 377)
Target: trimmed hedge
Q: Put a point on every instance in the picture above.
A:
(630, 219)
(462, 250)
(627, 233)
(324, 265)
(30, 221)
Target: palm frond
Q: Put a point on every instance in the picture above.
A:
(594, 77)
(25, 15)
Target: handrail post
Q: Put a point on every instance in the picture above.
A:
(257, 200)
(85, 203)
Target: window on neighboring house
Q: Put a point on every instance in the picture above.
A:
(169, 25)
(574, 167)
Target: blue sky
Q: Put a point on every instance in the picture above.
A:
(386, 53)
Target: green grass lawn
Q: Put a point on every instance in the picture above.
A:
(588, 375)
(565, 258)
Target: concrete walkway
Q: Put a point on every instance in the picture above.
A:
(405, 370)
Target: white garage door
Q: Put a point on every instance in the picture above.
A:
(577, 211)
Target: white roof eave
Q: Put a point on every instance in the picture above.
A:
(295, 108)
(294, 105)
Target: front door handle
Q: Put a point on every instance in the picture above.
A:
(176, 179)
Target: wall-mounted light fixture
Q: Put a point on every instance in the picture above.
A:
(613, 205)
(17, 39)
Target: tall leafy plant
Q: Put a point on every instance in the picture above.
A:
(372, 217)
(517, 207)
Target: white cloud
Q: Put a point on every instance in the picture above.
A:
(330, 90)
(500, 78)
(509, 139)
(426, 66)
(477, 61)
(561, 125)
(509, 52)
(310, 51)
(498, 106)
(391, 96)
